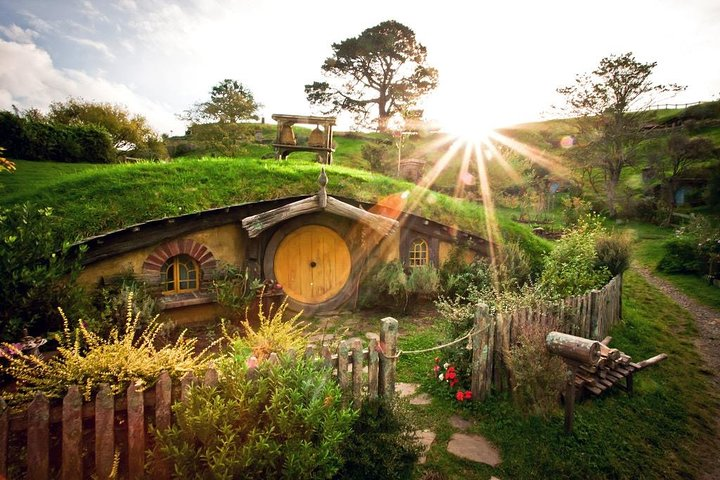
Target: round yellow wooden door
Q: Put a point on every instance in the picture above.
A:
(312, 264)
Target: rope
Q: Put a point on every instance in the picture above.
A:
(425, 350)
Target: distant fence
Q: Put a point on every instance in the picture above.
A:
(590, 316)
(76, 439)
(672, 106)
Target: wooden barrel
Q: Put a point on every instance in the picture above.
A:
(574, 348)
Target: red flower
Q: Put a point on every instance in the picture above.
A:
(436, 368)
(453, 382)
(459, 396)
(468, 395)
(450, 375)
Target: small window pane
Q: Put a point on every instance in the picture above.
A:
(419, 253)
(179, 274)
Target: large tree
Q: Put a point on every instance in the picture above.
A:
(230, 102)
(383, 67)
(129, 132)
(610, 105)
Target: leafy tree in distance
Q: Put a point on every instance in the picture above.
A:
(129, 132)
(230, 102)
(383, 67)
(611, 104)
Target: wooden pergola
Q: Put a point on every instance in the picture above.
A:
(319, 142)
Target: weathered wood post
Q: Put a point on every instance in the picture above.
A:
(4, 430)
(388, 340)
(104, 432)
(478, 385)
(594, 314)
(72, 435)
(38, 438)
(570, 398)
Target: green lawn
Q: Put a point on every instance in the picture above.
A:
(655, 434)
(648, 251)
(89, 200)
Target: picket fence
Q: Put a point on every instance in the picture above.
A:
(76, 439)
(590, 316)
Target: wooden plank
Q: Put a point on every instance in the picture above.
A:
(373, 369)
(342, 367)
(595, 321)
(104, 432)
(480, 351)
(185, 383)
(136, 432)
(357, 373)
(38, 438)
(327, 357)
(72, 435)
(388, 340)
(163, 401)
(309, 352)
(211, 378)
(4, 434)
(578, 349)
(491, 354)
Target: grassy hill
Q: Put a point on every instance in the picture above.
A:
(90, 199)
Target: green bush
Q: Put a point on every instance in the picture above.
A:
(693, 248)
(383, 443)
(390, 284)
(614, 252)
(111, 300)
(460, 279)
(572, 267)
(681, 256)
(235, 288)
(376, 154)
(38, 273)
(90, 360)
(280, 421)
(537, 377)
(31, 139)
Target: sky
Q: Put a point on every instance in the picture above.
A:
(499, 62)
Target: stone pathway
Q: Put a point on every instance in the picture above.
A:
(471, 447)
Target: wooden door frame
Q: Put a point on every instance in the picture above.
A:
(347, 230)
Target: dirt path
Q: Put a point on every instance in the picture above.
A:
(708, 343)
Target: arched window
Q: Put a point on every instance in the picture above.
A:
(179, 274)
(419, 253)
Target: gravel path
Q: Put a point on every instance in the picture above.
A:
(708, 343)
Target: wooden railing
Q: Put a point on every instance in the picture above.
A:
(590, 316)
(109, 435)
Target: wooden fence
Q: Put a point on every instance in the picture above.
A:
(76, 439)
(590, 316)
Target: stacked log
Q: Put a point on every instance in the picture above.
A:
(595, 373)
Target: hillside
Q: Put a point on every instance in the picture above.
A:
(99, 199)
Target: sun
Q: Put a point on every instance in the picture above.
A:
(467, 127)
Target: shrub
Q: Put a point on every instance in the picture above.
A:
(38, 273)
(613, 252)
(572, 267)
(574, 208)
(283, 421)
(110, 302)
(234, 288)
(536, 377)
(88, 360)
(460, 279)
(692, 248)
(389, 284)
(383, 443)
(376, 155)
(513, 266)
(273, 334)
(681, 256)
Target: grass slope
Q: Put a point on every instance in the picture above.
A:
(658, 433)
(94, 200)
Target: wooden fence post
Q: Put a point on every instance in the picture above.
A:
(342, 368)
(594, 314)
(480, 353)
(72, 435)
(388, 340)
(4, 429)
(163, 394)
(38, 438)
(357, 373)
(104, 432)
(136, 431)
(373, 369)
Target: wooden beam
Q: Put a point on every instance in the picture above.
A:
(573, 348)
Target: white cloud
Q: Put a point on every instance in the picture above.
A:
(29, 79)
(94, 44)
(92, 12)
(17, 34)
